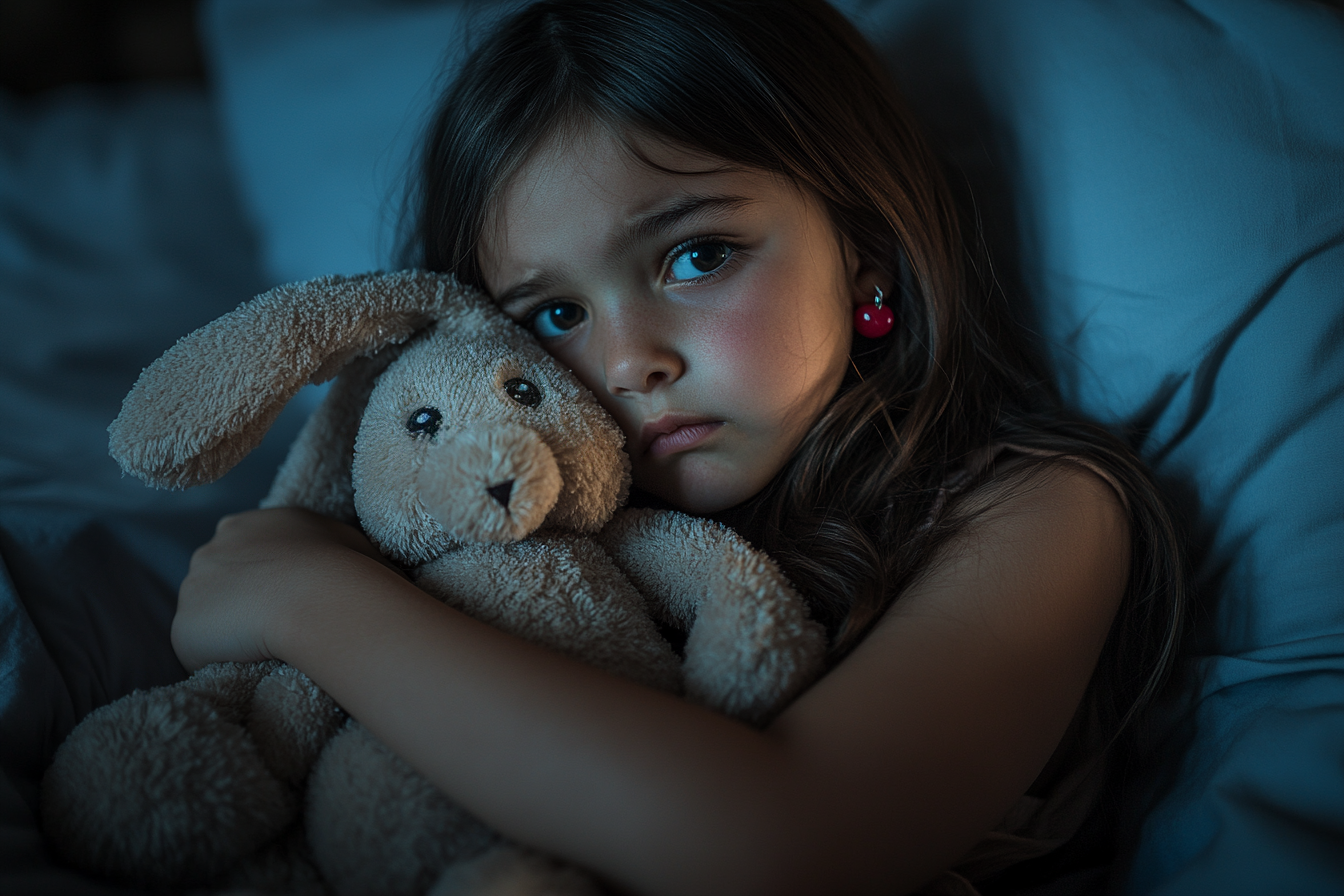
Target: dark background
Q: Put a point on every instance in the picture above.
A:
(45, 44)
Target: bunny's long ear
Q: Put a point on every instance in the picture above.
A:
(204, 405)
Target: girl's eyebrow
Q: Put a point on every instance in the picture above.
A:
(645, 227)
(660, 221)
(524, 290)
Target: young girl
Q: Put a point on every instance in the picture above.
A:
(721, 217)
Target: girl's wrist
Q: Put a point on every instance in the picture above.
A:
(334, 594)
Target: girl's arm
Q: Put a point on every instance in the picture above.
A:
(881, 775)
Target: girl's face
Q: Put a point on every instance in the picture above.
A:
(709, 311)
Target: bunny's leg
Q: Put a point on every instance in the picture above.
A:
(291, 720)
(166, 786)
(376, 827)
(751, 647)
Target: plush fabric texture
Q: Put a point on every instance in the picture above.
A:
(138, 834)
(120, 230)
(481, 424)
(176, 430)
(602, 618)
(361, 785)
(752, 633)
(312, 474)
(291, 803)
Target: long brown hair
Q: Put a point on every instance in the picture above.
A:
(790, 87)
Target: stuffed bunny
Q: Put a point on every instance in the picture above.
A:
(475, 461)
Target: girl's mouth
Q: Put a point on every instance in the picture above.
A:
(669, 435)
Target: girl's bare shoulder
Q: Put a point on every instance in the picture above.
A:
(1035, 493)
(1041, 534)
(953, 703)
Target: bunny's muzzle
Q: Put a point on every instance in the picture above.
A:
(493, 485)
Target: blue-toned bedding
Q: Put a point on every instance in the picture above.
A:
(120, 230)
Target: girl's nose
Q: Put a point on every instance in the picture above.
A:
(640, 354)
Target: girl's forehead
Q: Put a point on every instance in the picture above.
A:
(599, 180)
(599, 150)
(600, 166)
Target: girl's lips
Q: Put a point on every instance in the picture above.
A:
(664, 438)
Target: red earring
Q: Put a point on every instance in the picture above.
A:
(874, 320)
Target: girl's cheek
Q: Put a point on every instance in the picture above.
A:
(745, 321)
(736, 341)
(760, 339)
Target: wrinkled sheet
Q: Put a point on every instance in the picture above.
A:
(120, 231)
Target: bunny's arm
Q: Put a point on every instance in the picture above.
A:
(750, 647)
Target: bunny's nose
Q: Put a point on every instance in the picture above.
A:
(501, 492)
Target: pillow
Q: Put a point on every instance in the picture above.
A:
(324, 103)
(120, 231)
(1163, 183)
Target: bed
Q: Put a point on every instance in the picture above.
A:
(1162, 184)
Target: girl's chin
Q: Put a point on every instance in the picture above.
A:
(696, 487)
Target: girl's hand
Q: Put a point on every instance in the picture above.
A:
(260, 571)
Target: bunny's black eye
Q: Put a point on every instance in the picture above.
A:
(424, 422)
(525, 393)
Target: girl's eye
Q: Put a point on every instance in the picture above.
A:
(556, 319)
(699, 260)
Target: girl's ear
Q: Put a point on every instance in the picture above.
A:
(203, 406)
(864, 280)
(866, 287)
